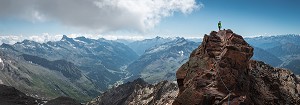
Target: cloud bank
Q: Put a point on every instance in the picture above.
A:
(97, 15)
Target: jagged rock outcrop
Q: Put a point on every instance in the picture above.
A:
(11, 96)
(220, 71)
(270, 85)
(63, 101)
(139, 92)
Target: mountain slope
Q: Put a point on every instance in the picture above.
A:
(44, 83)
(68, 69)
(138, 92)
(11, 96)
(220, 71)
(285, 49)
(100, 60)
(263, 55)
(289, 53)
(294, 66)
(140, 46)
(161, 61)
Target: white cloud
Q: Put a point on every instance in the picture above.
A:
(99, 15)
(45, 37)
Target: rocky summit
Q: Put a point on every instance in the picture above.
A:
(220, 71)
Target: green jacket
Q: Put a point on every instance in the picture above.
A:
(219, 24)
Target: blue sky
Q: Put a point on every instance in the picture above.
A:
(245, 17)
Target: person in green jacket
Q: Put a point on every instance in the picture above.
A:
(219, 25)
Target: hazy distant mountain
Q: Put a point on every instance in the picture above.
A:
(197, 40)
(140, 46)
(289, 53)
(161, 61)
(80, 50)
(263, 55)
(125, 41)
(294, 65)
(285, 49)
(266, 42)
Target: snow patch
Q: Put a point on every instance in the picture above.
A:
(181, 53)
(181, 43)
(79, 41)
(30, 46)
(1, 64)
(158, 49)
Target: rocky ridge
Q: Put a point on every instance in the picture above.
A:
(11, 96)
(138, 92)
(220, 71)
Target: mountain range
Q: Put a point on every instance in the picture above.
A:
(83, 68)
(141, 46)
(80, 66)
(283, 50)
(161, 61)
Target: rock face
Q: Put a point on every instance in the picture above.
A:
(11, 96)
(63, 101)
(270, 85)
(220, 71)
(138, 92)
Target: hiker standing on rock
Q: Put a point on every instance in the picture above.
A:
(219, 25)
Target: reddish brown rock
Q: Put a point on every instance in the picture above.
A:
(220, 71)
